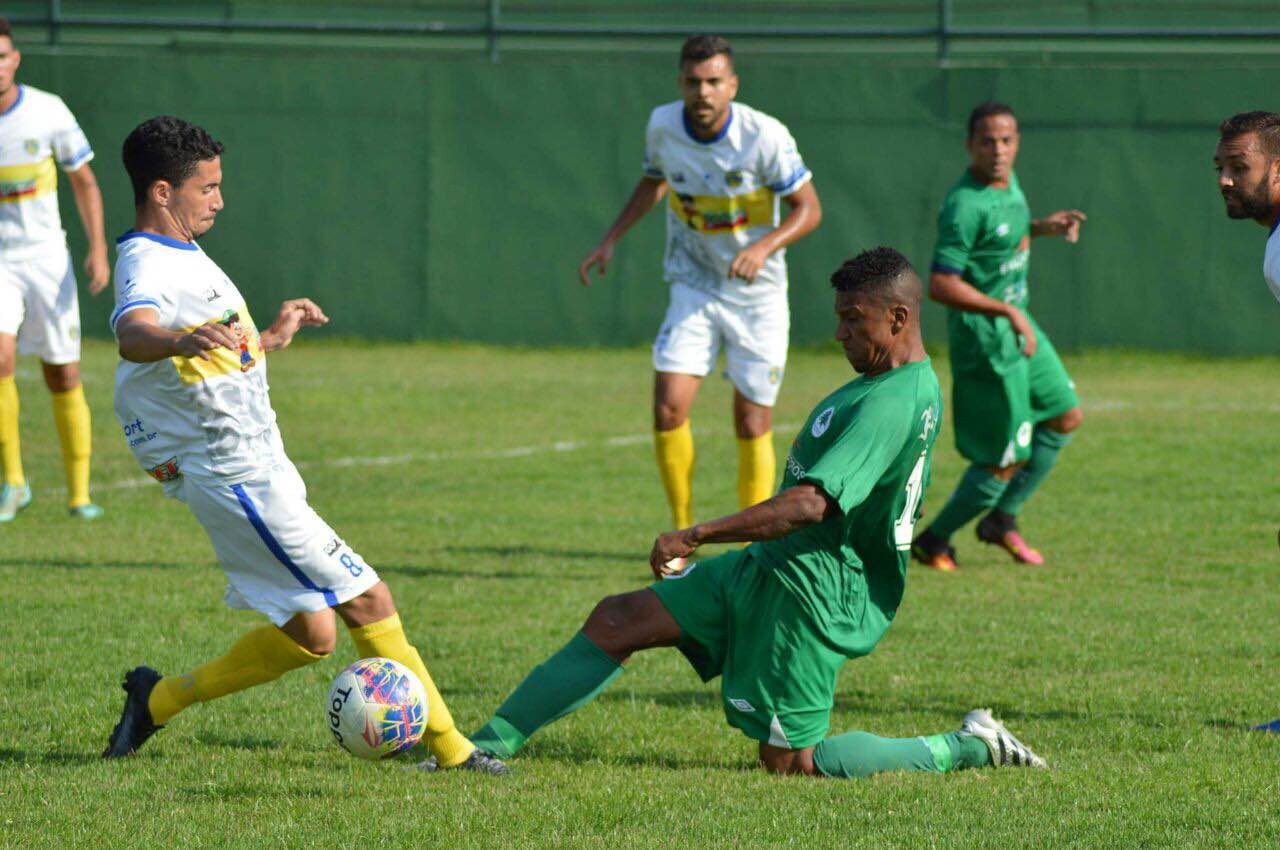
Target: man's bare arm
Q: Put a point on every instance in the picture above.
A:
(84, 184)
(951, 290)
(141, 340)
(646, 195)
(804, 217)
(792, 509)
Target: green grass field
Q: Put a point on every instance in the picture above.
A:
(501, 493)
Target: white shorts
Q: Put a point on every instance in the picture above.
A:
(38, 304)
(754, 338)
(280, 557)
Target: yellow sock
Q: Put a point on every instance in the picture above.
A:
(385, 639)
(756, 467)
(10, 452)
(675, 465)
(260, 656)
(71, 414)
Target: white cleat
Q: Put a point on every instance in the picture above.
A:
(1006, 750)
(12, 500)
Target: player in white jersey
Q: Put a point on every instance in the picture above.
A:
(39, 310)
(723, 167)
(1248, 163)
(191, 396)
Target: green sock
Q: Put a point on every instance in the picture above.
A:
(1045, 445)
(855, 755)
(557, 686)
(978, 490)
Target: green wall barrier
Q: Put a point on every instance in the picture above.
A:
(429, 196)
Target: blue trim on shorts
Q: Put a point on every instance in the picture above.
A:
(255, 519)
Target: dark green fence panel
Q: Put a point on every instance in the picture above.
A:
(421, 196)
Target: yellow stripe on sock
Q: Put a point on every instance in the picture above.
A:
(386, 639)
(674, 449)
(71, 415)
(757, 466)
(10, 450)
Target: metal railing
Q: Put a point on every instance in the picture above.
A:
(493, 28)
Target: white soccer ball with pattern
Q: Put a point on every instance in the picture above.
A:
(377, 708)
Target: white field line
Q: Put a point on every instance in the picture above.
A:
(560, 446)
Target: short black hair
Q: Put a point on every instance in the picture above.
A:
(165, 148)
(879, 273)
(5, 29)
(699, 48)
(986, 110)
(1265, 124)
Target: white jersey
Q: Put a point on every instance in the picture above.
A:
(723, 196)
(185, 415)
(37, 131)
(1271, 262)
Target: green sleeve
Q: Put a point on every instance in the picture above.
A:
(873, 436)
(958, 225)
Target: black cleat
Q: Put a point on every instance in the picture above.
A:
(934, 552)
(135, 725)
(480, 761)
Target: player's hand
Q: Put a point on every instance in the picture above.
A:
(599, 258)
(1064, 223)
(749, 262)
(669, 546)
(295, 314)
(1022, 327)
(97, 270)
(206, 338)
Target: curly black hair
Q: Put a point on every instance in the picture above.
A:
(882, 272)
(165, 148)
(986, 110)
(699, 48)
(1265, 124)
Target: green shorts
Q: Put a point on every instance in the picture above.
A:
(737, 621)
(998, 395)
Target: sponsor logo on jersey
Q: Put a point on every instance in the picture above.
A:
(193, 370)
(733, 178)
(22, 182)
(823, 422)
(166, 471)
(1024, 434)
(929, 421)
(333, 545)
(1003, 229)
(724, 214)
(793, 466)
(742, 705)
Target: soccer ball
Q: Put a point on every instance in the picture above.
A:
(376, 708)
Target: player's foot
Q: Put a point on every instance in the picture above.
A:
(934, 552)
(13, 499)
(1273, 726)
(1001, 529)
(85, 512)
(1006, 750)
(135, 725)
(480, 761)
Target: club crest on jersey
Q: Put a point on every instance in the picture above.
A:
(1003, 229)
(31, 146)
(823, 422)
(733, 178)
(166, 471)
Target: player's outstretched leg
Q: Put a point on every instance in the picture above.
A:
(259, 656)
(979, 489)
(376, 629)
(14, 492)
(618, 626)
(981, 741)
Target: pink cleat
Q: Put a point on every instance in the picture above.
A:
(1001, 530)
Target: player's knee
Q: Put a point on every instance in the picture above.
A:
(62, 377)
(319, 644)
(1006, 473)
(607, 625)
(667, 416)
(1067, 422)
(788, 762)
(754, 423)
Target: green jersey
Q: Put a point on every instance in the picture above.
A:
(984, 235)
(867, 445)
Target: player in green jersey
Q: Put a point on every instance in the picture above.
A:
(820, 583)
(1014, 404)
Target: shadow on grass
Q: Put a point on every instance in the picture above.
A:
(526, 551)
(82, 563)
(238, 742)
(11, 756)
(570, 751)
(459, 554)
(706, 698)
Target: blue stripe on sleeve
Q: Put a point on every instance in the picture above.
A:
(129, 305)
(939, 267)
(255, 519)
(81, 157)
(783, 188)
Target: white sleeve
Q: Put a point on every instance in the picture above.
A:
(70, 145)
(783, 169)
(137, 292)
(652, 157)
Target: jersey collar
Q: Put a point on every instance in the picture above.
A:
(724, 131)
(1275, 224)
(22, 92)
(167, 241)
